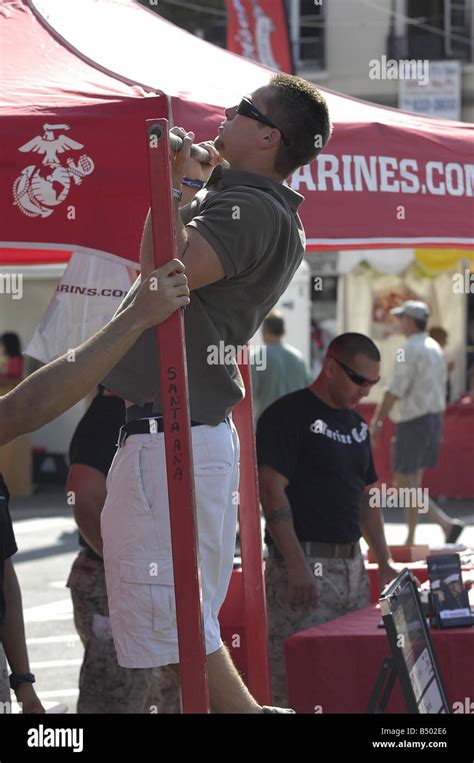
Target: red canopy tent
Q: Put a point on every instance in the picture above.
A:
(98, 67)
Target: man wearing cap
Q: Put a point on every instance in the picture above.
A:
(419, 384)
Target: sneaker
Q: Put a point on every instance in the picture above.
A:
(271, 709)
(454, 531)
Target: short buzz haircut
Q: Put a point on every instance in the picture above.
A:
(300, 110)
(346, 346)
(274, 324)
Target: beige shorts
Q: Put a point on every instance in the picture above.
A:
(136, 535)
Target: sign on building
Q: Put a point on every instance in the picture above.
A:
(440, 97)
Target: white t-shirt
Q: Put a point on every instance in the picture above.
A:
(419, 377)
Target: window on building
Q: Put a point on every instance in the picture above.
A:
(442, 29)
(206, 19)
(310, 49)
(216, 32)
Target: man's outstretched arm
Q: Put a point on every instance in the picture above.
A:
(60, 384)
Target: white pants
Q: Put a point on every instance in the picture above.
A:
(137, 542)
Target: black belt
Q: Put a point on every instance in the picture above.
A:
(325, 550)
(91, 554)
(152, 425)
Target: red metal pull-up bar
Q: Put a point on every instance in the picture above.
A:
(177, 429)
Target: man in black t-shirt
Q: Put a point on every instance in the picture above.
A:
(315, 470)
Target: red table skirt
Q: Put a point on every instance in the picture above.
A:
(454, 475)
(332, 668)
(231, 616)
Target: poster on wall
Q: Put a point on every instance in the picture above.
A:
(438, 96)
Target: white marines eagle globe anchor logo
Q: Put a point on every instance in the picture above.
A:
(39, 189)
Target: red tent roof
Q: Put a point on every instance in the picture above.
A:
(92, 72)
(40, 73)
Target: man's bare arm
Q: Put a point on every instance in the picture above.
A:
(277, 512)
(385, 406)
(60, 384)
(88, 487)
(14, 640)
(203, 266)
(371, 524)
(372, 527)
(302, 590)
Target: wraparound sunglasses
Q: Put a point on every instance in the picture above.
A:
(247, 109)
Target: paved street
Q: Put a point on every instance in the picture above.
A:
(47, 542)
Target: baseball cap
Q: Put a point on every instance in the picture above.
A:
(412, 308)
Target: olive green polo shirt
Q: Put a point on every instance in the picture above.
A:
(252, 223)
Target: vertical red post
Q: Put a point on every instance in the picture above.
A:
(177, 428)
(251, 550)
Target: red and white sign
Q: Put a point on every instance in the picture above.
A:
(258, 30)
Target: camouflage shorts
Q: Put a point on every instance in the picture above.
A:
(104, 686)
(342, 587)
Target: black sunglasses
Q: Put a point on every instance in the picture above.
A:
(361, 381)
(247, 109)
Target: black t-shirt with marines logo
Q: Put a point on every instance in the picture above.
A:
(8, 545)
(326, 456)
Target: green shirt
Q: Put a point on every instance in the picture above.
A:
(280, 370)
(253, 225)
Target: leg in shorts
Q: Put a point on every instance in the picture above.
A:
(137, 542)
(417, 443)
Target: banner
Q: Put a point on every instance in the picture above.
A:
(85, 299)
(259, 30)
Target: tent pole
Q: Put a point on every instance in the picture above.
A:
(177, 430)
(251, 550)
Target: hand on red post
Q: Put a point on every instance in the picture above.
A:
(163, 292)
